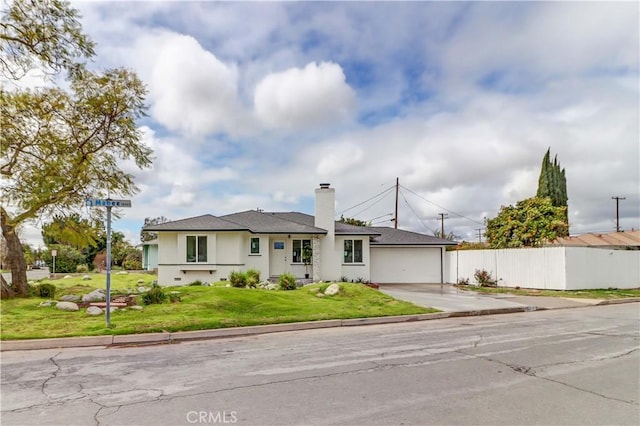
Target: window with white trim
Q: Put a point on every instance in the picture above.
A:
(298, 247)
(255, 245)
(196, 248)
(352, 251)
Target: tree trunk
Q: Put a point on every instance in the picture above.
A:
(15, 259)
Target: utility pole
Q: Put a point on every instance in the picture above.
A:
(395, 221)
(442, 216)
(618, 211)
(479, 234)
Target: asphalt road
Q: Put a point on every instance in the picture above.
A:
(570, 366)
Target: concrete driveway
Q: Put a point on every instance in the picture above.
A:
(448, 298)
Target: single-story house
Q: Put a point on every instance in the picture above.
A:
(208, 248)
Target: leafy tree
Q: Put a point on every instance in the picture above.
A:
(42, 35)
(73, 230)
(529, 223)
(60, 146)
(148, 221)
(450, 236)
(352, 221)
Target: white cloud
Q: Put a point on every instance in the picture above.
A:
(191, 90)
(309, 97)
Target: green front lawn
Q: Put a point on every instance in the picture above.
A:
(200, 308)
(600, 293)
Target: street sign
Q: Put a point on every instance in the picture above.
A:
(54, 253)
(108, 203)
(101, 202)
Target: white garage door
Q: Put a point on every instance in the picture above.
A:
(405, 264)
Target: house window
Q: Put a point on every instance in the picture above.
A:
(352, 251)
(299, 246)
(196, 248)
(255, 245)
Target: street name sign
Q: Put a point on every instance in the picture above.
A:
(101, 202)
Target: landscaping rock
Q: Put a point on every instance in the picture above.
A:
(95, 296)
(46, 303)
(319, 294)
(333, 289)
(67, 306)
(136, 308)
(86, 278)
(142, 289)
(70, 298)
(94, 311)
(112, 309)
(67, 277)
(122, 273)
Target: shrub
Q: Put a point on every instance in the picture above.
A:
(195, 283)
(83, 268)
(484, 278)
(287, 282)
(155, 295)
(47, 291)
(132, 265)
(238, 279)
(463, 281)
(344, 279)
(252, 278)
(67, 258)
(174, 298)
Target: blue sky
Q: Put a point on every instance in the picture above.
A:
(251, 105)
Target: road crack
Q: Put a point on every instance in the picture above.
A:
(52, 376)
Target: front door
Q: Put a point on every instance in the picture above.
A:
(277, 258)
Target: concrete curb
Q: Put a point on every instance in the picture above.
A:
(158, 338)
(619, 301)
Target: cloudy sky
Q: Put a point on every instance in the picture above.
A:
(251, 105)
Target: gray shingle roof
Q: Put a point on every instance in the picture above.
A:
(392, 236)
(271, 223)
(205, 222)
(340, 229)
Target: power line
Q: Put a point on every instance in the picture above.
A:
(366, 201)
(439, 206)
(373, 204)
(416, 214)
(375, 218)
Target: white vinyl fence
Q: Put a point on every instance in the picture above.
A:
(553, 268)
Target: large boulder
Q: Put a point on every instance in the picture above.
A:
(332, 290)
(70, 298)
(67, 306)
(94, 311)
(95, 296)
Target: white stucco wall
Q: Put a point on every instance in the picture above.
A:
(353, 271)
(406, 264)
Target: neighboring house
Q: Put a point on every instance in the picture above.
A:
(150, 255)
(208, 248)
(628, 240)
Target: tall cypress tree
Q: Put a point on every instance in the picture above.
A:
(553, 182)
